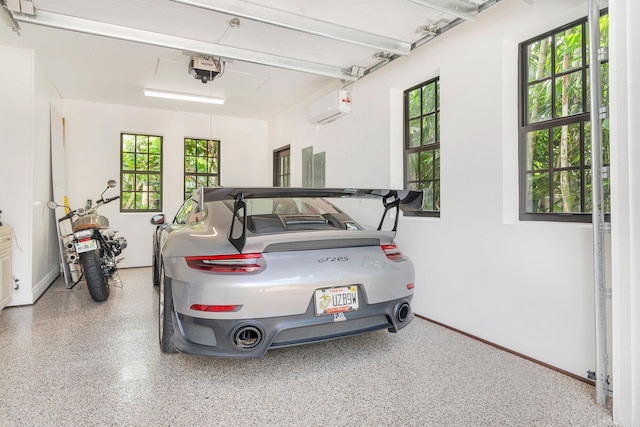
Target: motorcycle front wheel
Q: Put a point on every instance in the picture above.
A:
(96, 282)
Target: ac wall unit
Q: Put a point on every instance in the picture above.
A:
(330, 107)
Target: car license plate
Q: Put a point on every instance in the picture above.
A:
(86, 246)
(336, 300)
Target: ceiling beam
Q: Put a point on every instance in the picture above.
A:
(461, 9)
(70, 23)
(303, 24)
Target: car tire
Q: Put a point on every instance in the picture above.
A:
(96, 282)
(165, 314)
(155, 271)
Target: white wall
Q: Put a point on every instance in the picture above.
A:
(45, 256)
(25, 171)
(92, 150)
(16, 83)
(355, 155)
(523, 285)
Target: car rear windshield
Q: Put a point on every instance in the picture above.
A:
(277, 215)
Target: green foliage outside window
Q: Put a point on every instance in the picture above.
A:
(422, 142)
(201, 164)
(556, 133)
(141, 172)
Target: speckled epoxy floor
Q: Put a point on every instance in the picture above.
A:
(67, 361)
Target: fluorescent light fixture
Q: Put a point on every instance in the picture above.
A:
(183, 96)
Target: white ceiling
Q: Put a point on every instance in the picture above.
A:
(103, 69)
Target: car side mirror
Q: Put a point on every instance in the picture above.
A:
(157, 219)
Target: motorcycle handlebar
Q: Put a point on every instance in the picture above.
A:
(110, 199)
(100, 202)
(67, 216)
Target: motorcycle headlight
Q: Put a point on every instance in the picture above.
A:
(83, 233)
(122, 242)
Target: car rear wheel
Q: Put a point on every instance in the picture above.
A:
(165, 314)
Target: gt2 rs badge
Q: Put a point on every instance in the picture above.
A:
(333, 259)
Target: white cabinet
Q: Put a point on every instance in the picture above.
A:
(6, 235)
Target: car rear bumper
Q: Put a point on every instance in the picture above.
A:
(254, 337)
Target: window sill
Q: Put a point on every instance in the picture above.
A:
(424, 214)
(560, 217)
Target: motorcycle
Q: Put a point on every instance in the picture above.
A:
(92, 244)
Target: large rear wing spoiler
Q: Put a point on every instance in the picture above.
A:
(405, 200)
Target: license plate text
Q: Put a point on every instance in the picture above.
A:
(336, 300)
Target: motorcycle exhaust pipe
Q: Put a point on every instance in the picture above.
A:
(72, 257)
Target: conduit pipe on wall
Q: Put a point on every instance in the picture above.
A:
(598, 218)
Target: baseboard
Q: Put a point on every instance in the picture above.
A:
(524, 356)
(45, 282)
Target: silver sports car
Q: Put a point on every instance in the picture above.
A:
(244, 270)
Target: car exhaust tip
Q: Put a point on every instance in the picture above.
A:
(247, 337)
(403, 312)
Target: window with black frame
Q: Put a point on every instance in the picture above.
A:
(282, 167)
(140, 173)
(201, 164)
(422, 144)
(555, 127)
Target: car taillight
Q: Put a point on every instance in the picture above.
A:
(392, 252)
(214, 308)
(233, 263)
